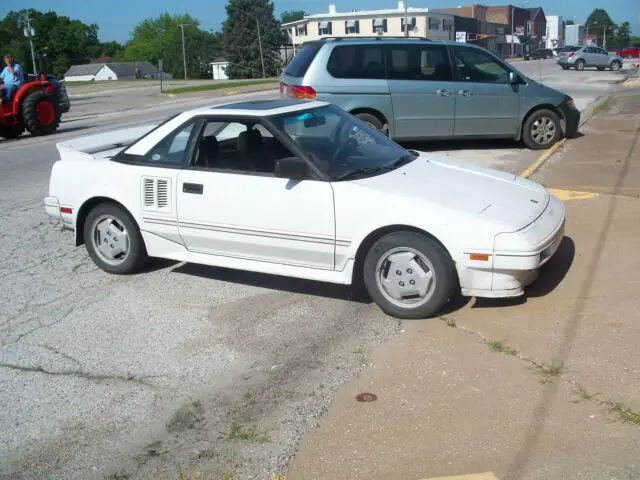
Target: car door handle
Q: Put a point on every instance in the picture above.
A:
(465, 93)
(443, 93)
(196, 188)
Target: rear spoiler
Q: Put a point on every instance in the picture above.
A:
(86, 147)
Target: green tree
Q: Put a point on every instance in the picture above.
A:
(292, 15)
(161, 37)
(622, 36)
(569, 22)
(111, 49)
(600, 25)
(241, 42)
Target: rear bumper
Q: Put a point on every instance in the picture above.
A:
(59, 212)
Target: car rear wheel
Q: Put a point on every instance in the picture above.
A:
(541, 130)
(580, 65)
(564, 67)
(371, 120)
(113, 240)
(41, 113)
(409, 275)
(616, 65)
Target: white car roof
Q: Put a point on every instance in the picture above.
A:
(258, 108)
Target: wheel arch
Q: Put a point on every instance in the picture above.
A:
(371, 111)
(368, 241)
(89, 205)
(542, 106)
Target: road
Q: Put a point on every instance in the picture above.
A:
(219, 371)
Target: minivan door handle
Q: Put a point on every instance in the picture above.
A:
(465, 93)
(443, 93)
(196, 188)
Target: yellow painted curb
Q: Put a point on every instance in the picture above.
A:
(565, 195)
(472, 476)
(542, 158)
(631, 81)
(231, 92)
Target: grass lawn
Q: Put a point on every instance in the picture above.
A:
(220, 85)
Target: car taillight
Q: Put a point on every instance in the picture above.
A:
(571, 54)
(281, 87)
(295, 91)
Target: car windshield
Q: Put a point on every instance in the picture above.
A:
(343, 147)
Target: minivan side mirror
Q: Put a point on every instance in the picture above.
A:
(293, 168)
(513, 78)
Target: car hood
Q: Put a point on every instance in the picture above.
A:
(502, 198)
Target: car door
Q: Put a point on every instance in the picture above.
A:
(601, 57)
(231, 204)
(422, 90)
(487, 104)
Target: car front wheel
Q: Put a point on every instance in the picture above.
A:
(409, 275)
(113, 240)
(616, 65)
(541, 130)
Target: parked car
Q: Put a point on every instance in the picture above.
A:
(542, 53)
(590, 56)
(303, 189)
(632, 51)
(416, 89)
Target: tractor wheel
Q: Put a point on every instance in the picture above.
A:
(10, 132)
(40, 113)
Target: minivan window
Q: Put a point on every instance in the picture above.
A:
(357, 61)
(418, 62)
(474, 65)
(300, 64)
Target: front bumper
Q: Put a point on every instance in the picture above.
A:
(512, 269)
(571, 119)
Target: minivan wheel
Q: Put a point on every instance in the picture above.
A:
(409, 275)
(541, 130)
(615, 65)
(371, 120)
(580, 65)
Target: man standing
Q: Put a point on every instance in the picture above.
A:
(12, 78)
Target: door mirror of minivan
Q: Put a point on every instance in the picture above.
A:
(513, 78)
(293, 168)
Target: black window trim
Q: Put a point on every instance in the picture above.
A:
(267, 123)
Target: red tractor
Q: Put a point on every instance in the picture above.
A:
(34, 108)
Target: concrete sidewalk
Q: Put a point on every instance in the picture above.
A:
(546, 387)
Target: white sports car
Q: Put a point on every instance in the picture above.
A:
(303, 189)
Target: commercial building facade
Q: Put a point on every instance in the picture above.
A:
(555, 32)
(574, 34)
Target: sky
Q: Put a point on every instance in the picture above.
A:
(116, 18)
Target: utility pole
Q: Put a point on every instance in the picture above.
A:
(264, 75)
(184, 55)
(29, 32)
(406, 26)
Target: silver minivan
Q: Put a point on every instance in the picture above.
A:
(413, 88)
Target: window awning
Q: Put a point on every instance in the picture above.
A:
(351, 23)
(323, 24)
(378, 22)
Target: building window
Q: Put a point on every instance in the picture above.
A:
(434, 23)
(379, 25)
(352, 27)
(447, 25)
(324, 28)
(412, 23)
(301, 30)
(500, 30)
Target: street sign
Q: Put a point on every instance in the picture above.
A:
(461, 37)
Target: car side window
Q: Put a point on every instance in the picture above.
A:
(242, 147)
(357, 61)
(172, 149)
(418, 62)
(474, 65)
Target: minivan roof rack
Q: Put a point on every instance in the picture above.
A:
(376, 37)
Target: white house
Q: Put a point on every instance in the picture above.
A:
(113, 71)
(219, 69)
(390, 22)
(555, 32)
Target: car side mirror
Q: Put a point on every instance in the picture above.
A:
(513, 78)
(293, 168)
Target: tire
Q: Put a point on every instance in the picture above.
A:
(371, 120)
(580, 65)
(541, 130)
(41, 113)
(600, 69)
(615, 66)
(378, 268)
(10, 132)
(564, 67)
(104, 222)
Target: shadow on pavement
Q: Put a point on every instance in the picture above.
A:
(479, 144)
(551, 275)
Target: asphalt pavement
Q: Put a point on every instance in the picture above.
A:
(221, 372)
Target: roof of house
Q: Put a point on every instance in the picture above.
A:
(82, 70)
(366, 13)
(121, 69)
(534, 12)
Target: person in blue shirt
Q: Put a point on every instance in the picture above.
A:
(12, 78)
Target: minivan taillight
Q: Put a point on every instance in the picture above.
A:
(571, 54)
(296, 91)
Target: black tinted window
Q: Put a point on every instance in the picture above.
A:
(475, 65)
(357, 61)
(418, 62)
(301, 62)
